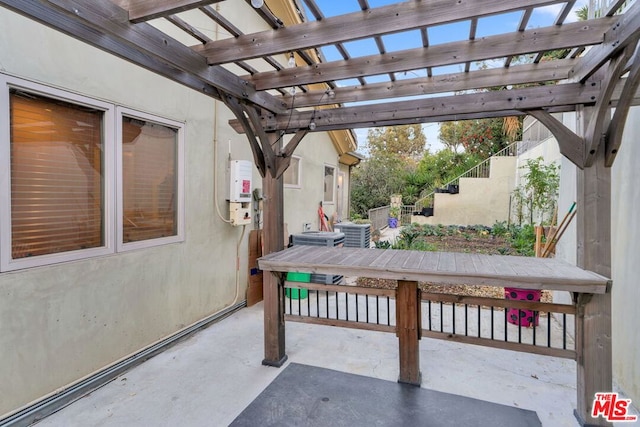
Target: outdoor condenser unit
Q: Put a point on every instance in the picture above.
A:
(240, 173)
(320, 238)
(355, 235)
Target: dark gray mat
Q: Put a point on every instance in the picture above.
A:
(309, 396)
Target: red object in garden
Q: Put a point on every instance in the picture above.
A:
(522, 317)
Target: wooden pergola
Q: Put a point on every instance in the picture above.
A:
(600, 71)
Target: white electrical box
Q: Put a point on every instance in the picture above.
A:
(240, 213)
(240, 192)
(240, 172)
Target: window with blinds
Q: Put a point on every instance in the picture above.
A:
(57, 190)
(149, 180)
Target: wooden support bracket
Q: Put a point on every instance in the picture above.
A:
(571, 145)
(594, 134)
(617, 124)
(236, 107)
(267, 150)
(285, 159)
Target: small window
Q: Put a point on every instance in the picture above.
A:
(292, 174)
(329, 183)
(150, 185)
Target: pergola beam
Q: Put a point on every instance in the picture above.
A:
(491, 47)
(105, 25)
(145, 10)
(69, 25)
(443, 83)
(358, 25)
(415, 111)
(616, 38)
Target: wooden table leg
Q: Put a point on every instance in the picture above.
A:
(408, 329)
(594, 354)
(274, 338)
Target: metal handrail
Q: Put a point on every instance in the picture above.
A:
(379, 217)
(481, 170)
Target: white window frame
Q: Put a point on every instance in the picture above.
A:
(335, 171)
(6, 262)
(122, 112)
(299, 184)
(112, 177)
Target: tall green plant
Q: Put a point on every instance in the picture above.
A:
(539, 187)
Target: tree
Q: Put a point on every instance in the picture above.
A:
(406, 141)
(583, 13)
(484, 137)
(390, 168)
(443, 166)
(374, 180)
(448, 136)
(539, 189)
(512, 128)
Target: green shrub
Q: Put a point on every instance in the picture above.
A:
(382, 244)
(500, 229)
(523, 239)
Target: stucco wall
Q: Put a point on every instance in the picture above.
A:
(62, 322)
(301, 204)
(625, 220)
(625, 236)
(480, 200)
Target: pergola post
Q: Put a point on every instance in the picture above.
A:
(408, 323)
(273, 214)
(273, 284)
(593, 319)
(271, 161)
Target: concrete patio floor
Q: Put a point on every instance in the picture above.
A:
(210, 378)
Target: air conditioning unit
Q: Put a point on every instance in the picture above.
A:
(321, 238)
(355, 235)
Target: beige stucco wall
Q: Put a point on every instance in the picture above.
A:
(480, 200)
(625, 235)
(301, 204)
(62, 322)
(625, 220)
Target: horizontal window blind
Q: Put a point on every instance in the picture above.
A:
(56, 176)
(149, 186)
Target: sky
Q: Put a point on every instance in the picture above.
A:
(498, 24)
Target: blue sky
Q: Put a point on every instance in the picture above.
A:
(498, 24)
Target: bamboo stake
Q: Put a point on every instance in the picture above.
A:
(538, 245)
(553, 244)
(559, 231)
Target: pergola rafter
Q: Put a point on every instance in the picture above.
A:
(460, 52)
(358, 25)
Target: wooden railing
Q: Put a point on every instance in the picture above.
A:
(472, 320)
